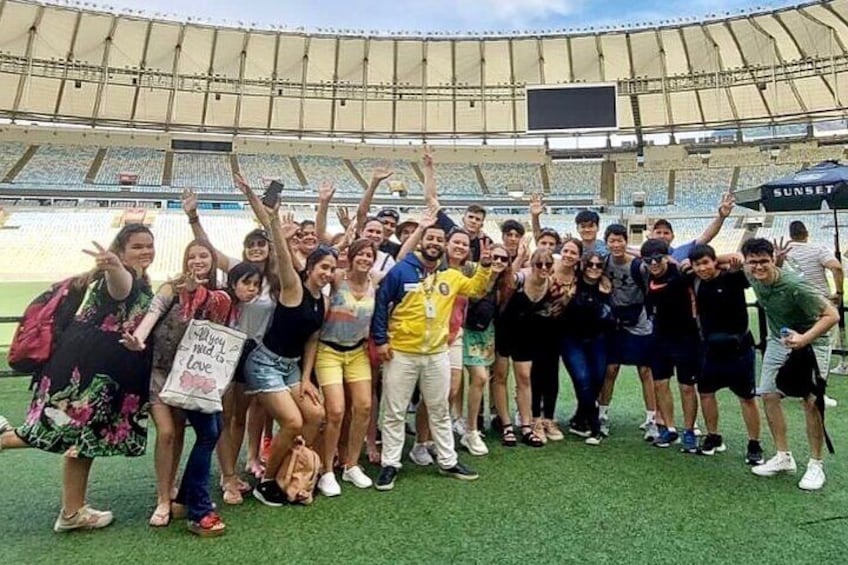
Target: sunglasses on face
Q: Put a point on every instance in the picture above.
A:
(651, 259)
(500, 258)
(757, 262)
(256, 243)
(544, 265)
(594, 265)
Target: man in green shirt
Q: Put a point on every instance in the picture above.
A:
(790, 304)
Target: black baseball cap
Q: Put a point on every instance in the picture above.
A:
(389, 213)
(258, 233)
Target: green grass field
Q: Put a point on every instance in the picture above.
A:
(622, 502)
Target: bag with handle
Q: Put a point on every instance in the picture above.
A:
(203, 367)
(299, 472)
(800, 377)
(42, 324)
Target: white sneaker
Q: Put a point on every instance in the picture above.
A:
(813, 478)
(605, 425)
(652, 432)
(328, 485)
(5, 426)
(85, 519)
(475, 445)
(420, 455)
(357, 476)
(780, 463)
(460, 427)
(644, 425)
(828, 403)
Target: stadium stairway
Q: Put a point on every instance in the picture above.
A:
(483, 186)
(22, 162)
(91, 175)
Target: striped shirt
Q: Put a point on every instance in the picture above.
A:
(809, 260)
(349, 318)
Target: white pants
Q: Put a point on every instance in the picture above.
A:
(432, 373)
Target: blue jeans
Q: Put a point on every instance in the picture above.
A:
(194, 489)
(586, 363)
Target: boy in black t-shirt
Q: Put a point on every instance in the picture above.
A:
(676, 343)
(727, 347)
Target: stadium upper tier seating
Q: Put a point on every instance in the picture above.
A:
(148, 164)
(64, 165)
(580, 179)
(205, 172)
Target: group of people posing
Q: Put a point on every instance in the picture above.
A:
(346, 331)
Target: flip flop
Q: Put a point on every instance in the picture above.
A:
(161, 516)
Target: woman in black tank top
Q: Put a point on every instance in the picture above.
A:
(272, 371)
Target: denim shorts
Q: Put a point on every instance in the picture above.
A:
(265, 371)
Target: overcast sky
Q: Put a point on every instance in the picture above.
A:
(442, 15)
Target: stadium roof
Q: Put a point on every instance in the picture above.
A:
(72, 64)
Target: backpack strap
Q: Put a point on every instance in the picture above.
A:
(637, 275)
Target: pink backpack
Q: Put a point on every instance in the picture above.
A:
(299, 473)
(42, 324)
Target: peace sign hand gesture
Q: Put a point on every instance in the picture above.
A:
(105, 260)
(189, 199)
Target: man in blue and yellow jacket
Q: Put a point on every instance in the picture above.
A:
(410, 329)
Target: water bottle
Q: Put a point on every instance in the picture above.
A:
(785, 332)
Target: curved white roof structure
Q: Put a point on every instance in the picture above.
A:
(68, 64)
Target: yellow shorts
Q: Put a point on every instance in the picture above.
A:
(335, 367)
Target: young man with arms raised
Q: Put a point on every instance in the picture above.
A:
(797, 317)
(410, 329)
(727, 347)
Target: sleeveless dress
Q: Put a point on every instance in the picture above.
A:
(92, 397)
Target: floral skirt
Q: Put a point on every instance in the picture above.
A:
(479, 347)
(92, 398)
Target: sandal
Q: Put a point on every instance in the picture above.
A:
(232, 495)
(255, 468)
(208, 526)
(529, 437)
(178, 511)
(161, 516)
(508, 438)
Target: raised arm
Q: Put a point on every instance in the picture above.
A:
(189, 199)
(724, 210)
(282, 228)
(377, 176)
(431, 198)
(477, 285)
(537, 208)
(428, 218)
(118, 279)
(325, 195)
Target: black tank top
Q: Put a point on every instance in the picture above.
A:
(291, 326)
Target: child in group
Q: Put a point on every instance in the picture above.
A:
(249, 315)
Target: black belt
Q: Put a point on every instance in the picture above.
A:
(343, 348)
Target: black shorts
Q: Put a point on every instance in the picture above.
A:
(514, 340)
(249, 346)
(625, 348)
(735, 372)
(680, 356)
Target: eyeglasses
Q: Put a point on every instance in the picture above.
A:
(594, 265)
(543, 265)
(651, 259)
(256, 243)
(500, 258)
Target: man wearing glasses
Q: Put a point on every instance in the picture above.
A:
(797, 316)
(676, 342)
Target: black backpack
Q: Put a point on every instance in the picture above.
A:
(800, 377)
(481, 312)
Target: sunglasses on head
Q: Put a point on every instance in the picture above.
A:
(500, 258)
(543, 264)
(651, 259)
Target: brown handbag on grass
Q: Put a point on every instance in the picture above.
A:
(298, 475)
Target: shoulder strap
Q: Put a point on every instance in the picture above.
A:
(636, 274)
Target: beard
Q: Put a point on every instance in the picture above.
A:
(431, 253)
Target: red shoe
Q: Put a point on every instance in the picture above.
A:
(208, 526)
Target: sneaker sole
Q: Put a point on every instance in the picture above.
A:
(363, 486)
(387, 487)
(460, 477)
(258, 496)
(754, 462)
(774, 473)
(811, 489)
(63, 529)
(471, 451)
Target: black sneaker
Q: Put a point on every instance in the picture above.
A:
(461, 472)
(386, 480)
(269, 494)
(580, 429)
(754, 456)
(712, 444)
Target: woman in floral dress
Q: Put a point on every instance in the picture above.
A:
(92, 397)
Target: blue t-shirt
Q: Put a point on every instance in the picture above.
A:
(681, 253)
